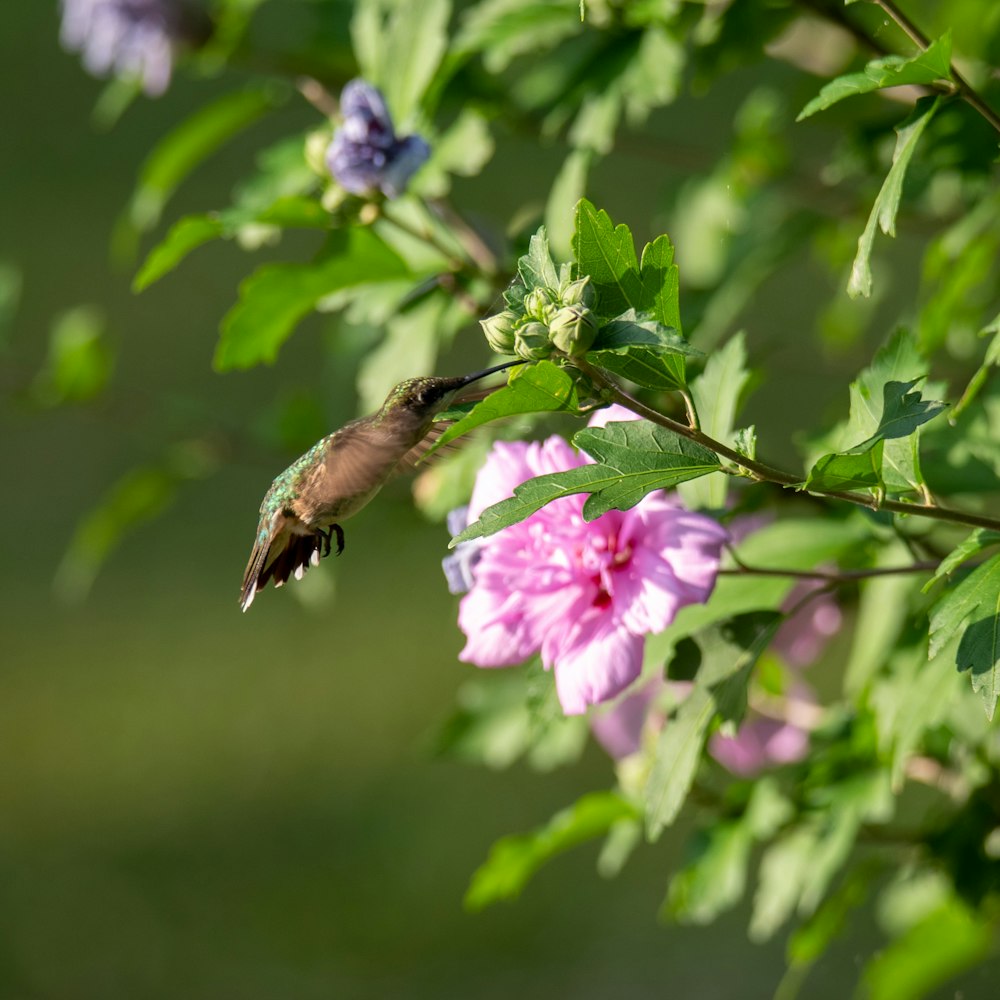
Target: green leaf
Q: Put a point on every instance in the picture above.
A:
(536, 268)
(463, 150)
(175, 156)
(898, 360)
(979, 539)
(808, 942)
(539, 388)
(643, 350)
(796, 870)
(567, 189)
(80, 360)
(183, 237)
(505, 29)
(274, 196)
(886, 205)
(714, 880)
(399, 47)
(637, 457)
(947, 941)
(514, 860)
(928, 66)
(276, 296)
(902, 412)
(915, 694)
(717, 393)
(883, 608)
(606, 252)
(728, 654)
(972, 609)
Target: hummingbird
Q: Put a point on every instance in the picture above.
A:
(301, 513)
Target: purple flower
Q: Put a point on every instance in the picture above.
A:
(130, 38)
(458, 565)
(365, 154)
(582, 594)
(801, 638)
(760, 743)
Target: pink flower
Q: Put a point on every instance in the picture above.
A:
(582, 594)
(802, 637)
(759, 744)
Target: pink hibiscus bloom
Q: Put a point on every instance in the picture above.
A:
(583, 595)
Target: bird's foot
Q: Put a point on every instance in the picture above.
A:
(327, 537)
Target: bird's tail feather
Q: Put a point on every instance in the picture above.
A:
(279, 559)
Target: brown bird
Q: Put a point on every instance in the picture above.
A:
(302, 511)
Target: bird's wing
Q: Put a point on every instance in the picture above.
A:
(358, 461)
(415, 455)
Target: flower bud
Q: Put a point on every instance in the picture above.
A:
(579, 293)
(532, 342)
(499, 330)
(573, 329)
(538, 304)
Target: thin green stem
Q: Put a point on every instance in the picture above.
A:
(765, 473)
(473, 244)
(426, 236)
(967, 92)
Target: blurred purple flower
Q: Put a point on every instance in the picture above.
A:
(802, 636)
(760, 743)
(365, 154)
(582, 594)
(458, 565)
(130, 38)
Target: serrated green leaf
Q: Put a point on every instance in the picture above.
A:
(539, 388)
(276, 296)
(728, 654)
(606, 252)
(514, 860)
(886, 205)
(536, 268)
(848, 471)
(661, 282)
(972, 609)
(638, 457)
(928, 66)
(646, 367)
(642, 350)
(903, 411)
(979, 539)
(178, 153)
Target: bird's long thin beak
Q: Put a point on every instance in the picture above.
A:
(476, 376)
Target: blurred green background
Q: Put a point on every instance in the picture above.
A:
(198, 803)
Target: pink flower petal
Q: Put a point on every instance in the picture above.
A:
(597, 667)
